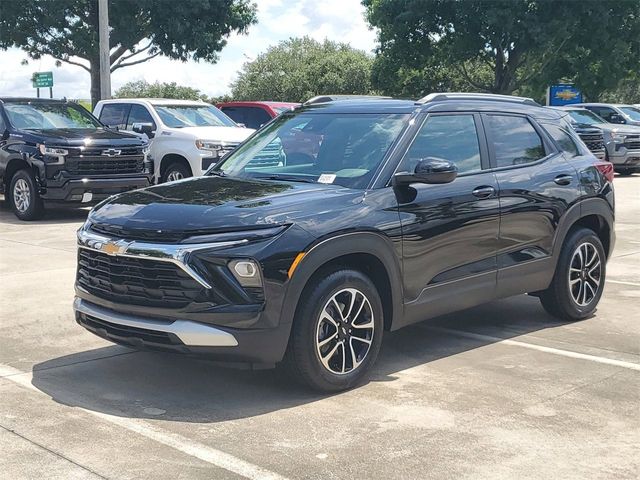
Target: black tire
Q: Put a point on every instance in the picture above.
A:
(176, 171)
(625, 173)
(302, 358)
(559, 299)
(23, 196)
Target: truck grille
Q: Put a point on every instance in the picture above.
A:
(104, 166)
(632, 142)
(137, 281)
(593, 141)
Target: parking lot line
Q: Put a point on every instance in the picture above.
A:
(540, 348)
(178, 442)
(620, 282)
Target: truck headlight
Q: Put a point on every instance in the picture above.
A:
(52, 151)
(617, 137)
(208, 145)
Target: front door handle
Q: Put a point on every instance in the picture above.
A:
(485, 191)
(563, 179)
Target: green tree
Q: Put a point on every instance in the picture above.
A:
(503, 46)
(143, 89)
(139, 30)
(300, 68)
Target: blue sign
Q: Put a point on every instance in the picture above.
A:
(563, 94)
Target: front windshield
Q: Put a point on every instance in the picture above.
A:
(585, 117)
(632, 112)
(49, 116)
(338, 148)
(180, 116)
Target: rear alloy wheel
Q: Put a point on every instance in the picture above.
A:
(337, 331)
(23, 196)
(578, 282)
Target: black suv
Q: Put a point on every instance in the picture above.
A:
(56, 151)
(382, 213)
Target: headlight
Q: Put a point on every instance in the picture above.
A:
(208, 145)
(52, 151)
(618, 137)
(146, 149)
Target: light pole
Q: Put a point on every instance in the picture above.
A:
(105, 63)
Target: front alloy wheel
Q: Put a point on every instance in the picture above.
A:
(22, 195)
(345, 331)
(337, 330)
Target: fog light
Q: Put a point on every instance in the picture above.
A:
(246, 272)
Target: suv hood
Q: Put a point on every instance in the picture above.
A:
(218, 204)
(81, 137)
(223, 134)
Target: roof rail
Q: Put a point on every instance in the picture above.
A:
(438, 97)
(333, 98)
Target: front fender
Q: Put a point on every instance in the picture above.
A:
(328, 249)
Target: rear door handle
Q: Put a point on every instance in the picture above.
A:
(485, 191)
(563, 179)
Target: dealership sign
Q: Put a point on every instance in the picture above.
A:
(563, 94)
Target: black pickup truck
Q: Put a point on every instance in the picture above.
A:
(56, 151)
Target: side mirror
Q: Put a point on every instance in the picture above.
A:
(428, 170)
(146, 128)
(616, 118)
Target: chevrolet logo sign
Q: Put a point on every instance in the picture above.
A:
(566, 95)
(111, 152)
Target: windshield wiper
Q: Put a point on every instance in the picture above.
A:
(286, 178)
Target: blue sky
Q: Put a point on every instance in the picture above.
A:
(339, 20)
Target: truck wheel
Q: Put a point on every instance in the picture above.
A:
(337, 331)
(175, 171)
(579, 279)
(23, 196)
(625, 172)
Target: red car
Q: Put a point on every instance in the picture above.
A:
(254, 114)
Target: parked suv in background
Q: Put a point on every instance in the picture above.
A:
(255, 114)
(614, 113)
(407, 210)
(56, 151)
(186, 136)
(622, 142)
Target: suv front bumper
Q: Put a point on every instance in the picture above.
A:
(625, 159)
(258, 347)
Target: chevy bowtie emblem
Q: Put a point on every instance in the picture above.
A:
(113, 248)
(111, 152)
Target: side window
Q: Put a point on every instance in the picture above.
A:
(604, 112)
(234, 113)
(449, 137)
(514, 139)
(563, 139)
(115, 114)
(139, 114)
(255, 117)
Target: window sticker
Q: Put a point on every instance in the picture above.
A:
(326, 178)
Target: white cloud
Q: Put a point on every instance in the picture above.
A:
(338, 20)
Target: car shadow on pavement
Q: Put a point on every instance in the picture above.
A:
(122, 382)
(52, 215)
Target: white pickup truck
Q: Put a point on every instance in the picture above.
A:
(186, 136)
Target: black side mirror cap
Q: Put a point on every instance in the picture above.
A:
(428, 170)
(146, 128)
(615, 118)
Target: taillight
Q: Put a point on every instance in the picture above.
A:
(606, 169)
